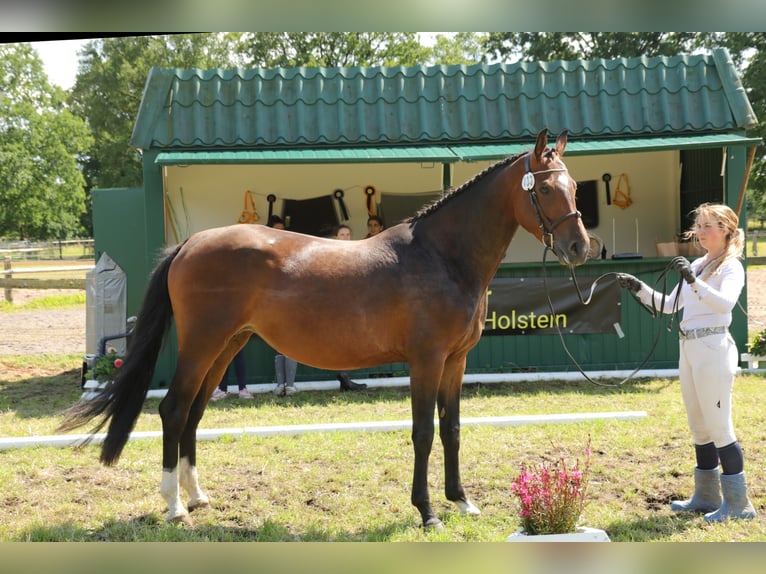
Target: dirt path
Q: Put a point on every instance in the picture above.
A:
(44, 331)
(62, 331)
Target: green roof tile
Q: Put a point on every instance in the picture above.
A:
(434, 105)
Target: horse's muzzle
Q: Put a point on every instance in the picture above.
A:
(571, 253)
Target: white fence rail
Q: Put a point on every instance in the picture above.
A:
(35, 250)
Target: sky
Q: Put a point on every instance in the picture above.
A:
(59, 60)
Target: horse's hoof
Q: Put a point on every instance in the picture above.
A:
(184, 519)
(466, 507)
(433, 524)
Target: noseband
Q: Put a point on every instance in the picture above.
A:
(545, 224)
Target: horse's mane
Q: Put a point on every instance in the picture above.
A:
(450, 194)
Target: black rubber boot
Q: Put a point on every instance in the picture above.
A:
(347, 384)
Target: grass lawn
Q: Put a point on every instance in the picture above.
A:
(355, 486)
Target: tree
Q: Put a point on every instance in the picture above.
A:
(460, 48)
(108, 90)
(330, 49)
(748, 52)
(548, 46)
(41, 186)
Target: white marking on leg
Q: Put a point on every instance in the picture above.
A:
(467, 507)
(190, 483)
(169, 491)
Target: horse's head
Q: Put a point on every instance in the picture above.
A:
(545, 201)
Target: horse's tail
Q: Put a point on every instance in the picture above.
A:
(122, 400)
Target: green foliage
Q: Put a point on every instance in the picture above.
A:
(461, 48)
(757, 346)
(108, 90)
(330, 49)
(748, 52)
(41, 142)
(547, 46)
(106, 366)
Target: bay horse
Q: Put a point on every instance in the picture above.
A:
(414, 293)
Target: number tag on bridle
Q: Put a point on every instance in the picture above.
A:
(528, 181)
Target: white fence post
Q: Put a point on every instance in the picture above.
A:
(8, 275)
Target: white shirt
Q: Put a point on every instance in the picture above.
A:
(705, 303)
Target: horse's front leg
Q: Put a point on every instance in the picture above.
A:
(423, 383)
(448, 403)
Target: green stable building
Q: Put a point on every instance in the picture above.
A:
(669, 131)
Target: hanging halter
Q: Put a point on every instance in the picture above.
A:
(621, 198)
(545, 224)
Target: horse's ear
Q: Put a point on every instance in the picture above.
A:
(542, 143)
(561, 142)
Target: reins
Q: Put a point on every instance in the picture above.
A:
(653, 311)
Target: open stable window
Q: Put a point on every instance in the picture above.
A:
(587, 202)
(701, 181)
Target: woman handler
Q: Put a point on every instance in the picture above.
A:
(709, 289)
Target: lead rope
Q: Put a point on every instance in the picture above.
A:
(653, 311)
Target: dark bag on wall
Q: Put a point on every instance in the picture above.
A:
(315, 216)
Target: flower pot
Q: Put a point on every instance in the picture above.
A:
(582, 534)
(91, 389)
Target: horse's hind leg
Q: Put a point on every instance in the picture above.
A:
(188, 477)
(448, 404)
(174, 411)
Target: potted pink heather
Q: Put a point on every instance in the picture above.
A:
(552, 497)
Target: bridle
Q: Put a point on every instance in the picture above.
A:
(544, 223)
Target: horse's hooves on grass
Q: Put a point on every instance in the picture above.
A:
(433, 524)
(184, 519)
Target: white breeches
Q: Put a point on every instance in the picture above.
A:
(706, 370)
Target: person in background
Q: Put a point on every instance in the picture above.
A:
(240, 372)
(344, 233)
(709, 289)
(285, 369)
(374, 225)
(276, 222)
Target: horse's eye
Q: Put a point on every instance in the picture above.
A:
(546, 189)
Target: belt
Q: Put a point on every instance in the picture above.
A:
(699, 333)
